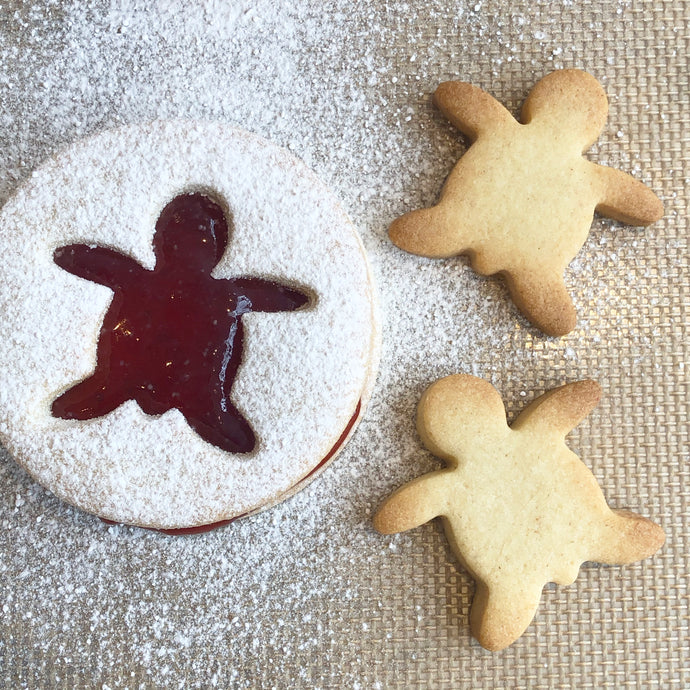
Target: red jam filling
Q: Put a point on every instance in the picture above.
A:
(172, 336)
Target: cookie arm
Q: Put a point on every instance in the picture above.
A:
(269, 296)
(413, 504)
(470, 109)
(626, 199)
(432, 232)
(560, 409)
(97, 264)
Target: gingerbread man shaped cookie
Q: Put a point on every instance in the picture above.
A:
(519, 508)
(520, 202)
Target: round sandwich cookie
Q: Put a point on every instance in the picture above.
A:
(189, 325)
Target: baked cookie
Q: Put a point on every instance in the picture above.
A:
(520, 201)
(190, 326)
(519, 508)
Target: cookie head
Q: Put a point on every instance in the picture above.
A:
(459, 413)
(571, 101)
(192, 229)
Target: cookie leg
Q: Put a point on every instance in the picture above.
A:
(434, 232)
(227, 430)
(88, 399)
(499, 616)
(544, 300)
(626, 537)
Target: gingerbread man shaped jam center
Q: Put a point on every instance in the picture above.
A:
(172, 336)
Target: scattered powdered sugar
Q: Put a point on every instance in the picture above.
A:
(279, 599)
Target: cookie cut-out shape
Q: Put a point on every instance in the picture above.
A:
(519, 508)
(520, 202)
(173, 336)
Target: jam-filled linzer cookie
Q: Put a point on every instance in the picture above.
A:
(189, 325)
(519, 508)
(520, 202)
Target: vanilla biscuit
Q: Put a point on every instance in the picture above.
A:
(520, 201)
(519, 508)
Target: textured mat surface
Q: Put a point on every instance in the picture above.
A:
(307, 595)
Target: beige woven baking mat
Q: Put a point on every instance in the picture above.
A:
(307, 595)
